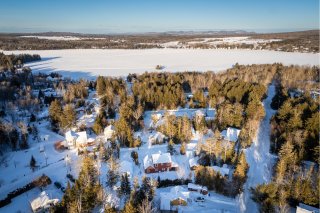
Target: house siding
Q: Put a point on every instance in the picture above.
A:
(161, 167)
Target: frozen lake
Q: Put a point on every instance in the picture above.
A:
(88, 63)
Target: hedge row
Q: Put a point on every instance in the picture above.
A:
(167, 182)
(41, 181)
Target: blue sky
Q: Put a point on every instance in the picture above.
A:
(122, 16)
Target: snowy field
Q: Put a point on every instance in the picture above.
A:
(89, 63)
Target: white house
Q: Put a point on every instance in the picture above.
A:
(224, 170)
(126, 167)
(303, 208)
(76, 138)
(43, 203)
(157, 138)
(230, 134)
(191, 149)
(109, 131)
(82, 138)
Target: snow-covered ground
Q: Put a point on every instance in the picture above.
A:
(89, 63)
(15, 172)
(215, 203)
(259, 158)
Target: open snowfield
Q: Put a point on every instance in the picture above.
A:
(89, 63)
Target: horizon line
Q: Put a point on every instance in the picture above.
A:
(85, 32)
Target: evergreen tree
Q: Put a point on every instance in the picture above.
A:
(125, 187)
(85, 194)
(113, 172)
(129, 208)
(124, 133)
(171, 147)
(255, 110)
(240, 173)
(100, 122)
(32, 163)
(69, 116)
(101, 86)
(109, 209)
(183, 149)
(55, 112)
(135, 156)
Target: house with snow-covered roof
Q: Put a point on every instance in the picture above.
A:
(157, 138)
(82, 138)
(230, 134)
(303, 208)
(43, 203)
(170, 201)
(109, 131)
(159, 163)
(76, 139)
(70, 137)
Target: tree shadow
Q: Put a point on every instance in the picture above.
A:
(49, 58)
(74, 75)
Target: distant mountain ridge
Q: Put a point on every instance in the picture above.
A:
(190, 32)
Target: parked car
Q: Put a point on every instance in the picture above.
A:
(57, 184)
(199, 199)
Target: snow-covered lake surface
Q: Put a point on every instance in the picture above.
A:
(89, 63)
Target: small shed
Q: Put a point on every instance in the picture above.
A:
(197, 188)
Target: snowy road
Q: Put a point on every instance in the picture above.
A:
(259, 158)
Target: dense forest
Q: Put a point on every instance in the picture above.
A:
(295, 140)
(305, 41)
(11, 62)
